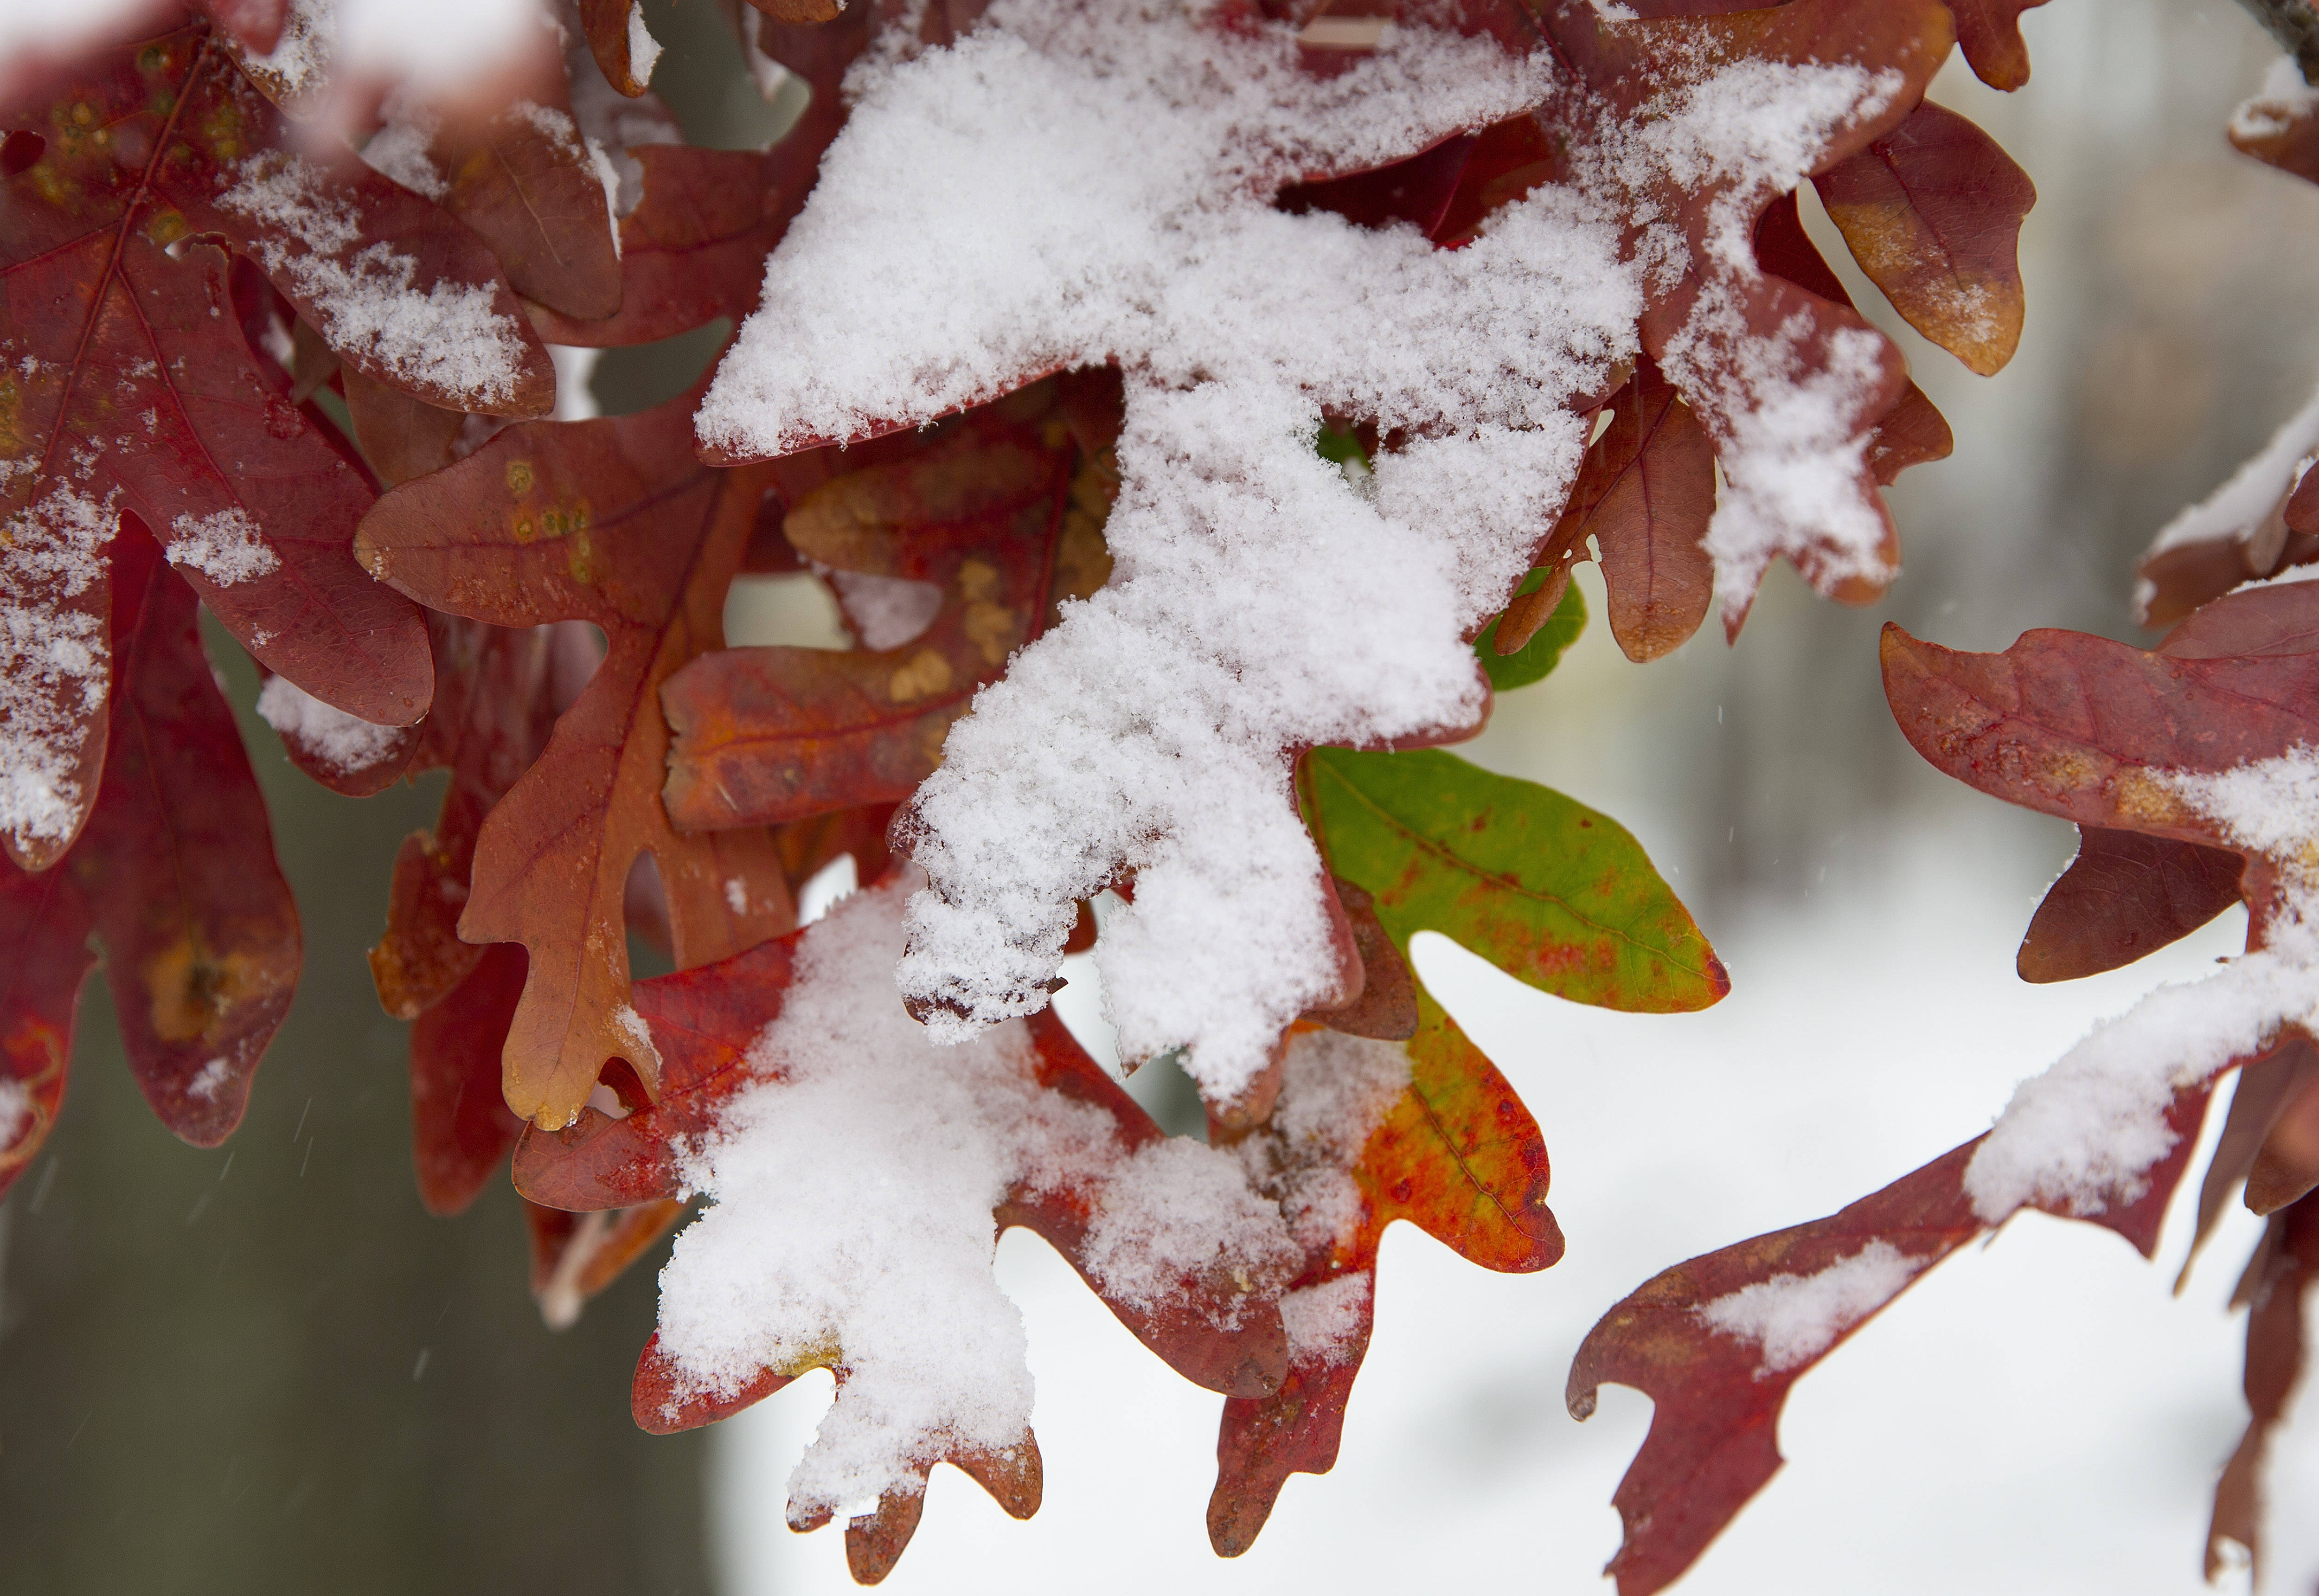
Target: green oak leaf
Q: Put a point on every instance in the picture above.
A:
(1549, 890)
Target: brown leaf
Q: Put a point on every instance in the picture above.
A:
(694, 247)
(1989, 32)
(2123, 897)
(2287, 1167)
(2282, 135)
(606, 24)
(492, 714)
(1760, 323)
(2266, 1083)
(460, 1126)
(613, 522)
(1932, 211)
(1645, 494)
(774, 734)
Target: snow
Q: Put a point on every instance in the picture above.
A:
(210, 1081)
(2084, 1134)
(1794, 458)
(323, 732)
(55, 663)
(2240, 505)
(2011, 1390)
(226, 547)
(2284, 99)
(16, 1108)
(1795, 1318)
(366, 295)
(1325, 1322)
(643, 49)
(433, 42)
(852, 1187)
(1068, 186)
(884, 611)
(399, 149)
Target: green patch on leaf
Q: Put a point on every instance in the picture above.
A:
(1549, 890)
(1536, 659)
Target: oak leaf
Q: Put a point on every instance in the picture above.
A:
(175, 875)
(979, 512)
(615, 523)
(131, 387)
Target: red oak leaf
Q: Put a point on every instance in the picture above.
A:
(175, 875)
(611, 522)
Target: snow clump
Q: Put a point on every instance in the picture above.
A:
(853, 1185)
(1795, 1318)
(1067, 186)
(323, 732)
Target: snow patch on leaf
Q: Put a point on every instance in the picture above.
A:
(367, 297)
(325, 734)
(1324, 1321)
(210, 1081)
(55, 663)
(2284, 99)
(853, 1187)
(1795, 1318)
(226, 547)
(2082, 1135)
(643, 49)
(16, 1108)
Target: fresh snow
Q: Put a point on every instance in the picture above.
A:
(643, 49)
(2285, 98)
(366, 295)
(210, 1081)
(55, 663)
(2085, 1134)
(16, 1108)
(1067, 186)
(325, 734)
(2240, 505)
(883, 611)
(1325, 1322)
(853, 1185)
(226, 547)
(1795, 1318)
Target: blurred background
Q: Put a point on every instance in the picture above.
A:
(264, 1369)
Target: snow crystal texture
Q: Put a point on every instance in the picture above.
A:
(1795, 1318)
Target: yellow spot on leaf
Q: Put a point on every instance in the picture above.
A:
(926, 674)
